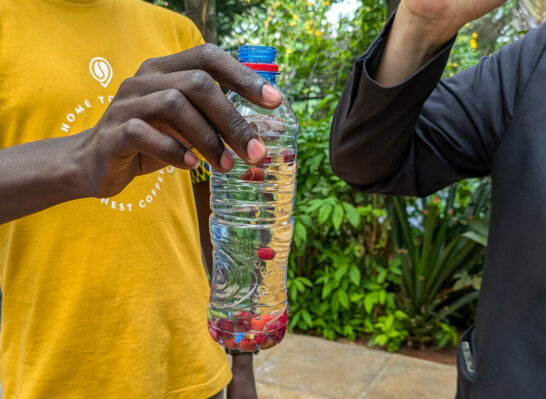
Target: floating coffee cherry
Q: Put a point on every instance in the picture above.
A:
(288, 157)
(266, 253)
(253, 174)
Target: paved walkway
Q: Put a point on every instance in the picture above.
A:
(312, 368)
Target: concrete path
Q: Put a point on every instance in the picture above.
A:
(305, 367)
(312, 368)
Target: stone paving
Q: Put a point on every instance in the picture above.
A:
(305, 367)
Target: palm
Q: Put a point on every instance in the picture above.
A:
(452, 12)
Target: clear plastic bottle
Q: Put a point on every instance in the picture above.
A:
(252, 225)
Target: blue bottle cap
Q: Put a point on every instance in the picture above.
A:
(257, 54)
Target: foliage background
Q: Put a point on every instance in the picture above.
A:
(393, 271)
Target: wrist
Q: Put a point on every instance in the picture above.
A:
(411, 42)
(242, 361)
(421, 35)
(78, 171)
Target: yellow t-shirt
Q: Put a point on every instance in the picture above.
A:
(103, 298)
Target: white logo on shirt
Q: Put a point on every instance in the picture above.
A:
(101, 70)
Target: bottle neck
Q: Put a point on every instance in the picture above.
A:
(269, 76)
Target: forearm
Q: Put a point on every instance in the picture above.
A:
(243, 385)
(411, 43)
(38, 175)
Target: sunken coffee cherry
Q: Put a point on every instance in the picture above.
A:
(247, 345)
(225, 325)
(268, 342)
(242, 321)
(258, 322)
(230, 344)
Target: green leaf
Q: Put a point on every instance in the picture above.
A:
(337, 216)
(307, 318)
(400, 315)
(305, 281)
(372, 286)
(341, 271)
(306, 220)
(351, 214)
(300, 234)
(326, 290)
(348, 330)
(474, 236)
(382, 297)
(369, 302)
(354, 274)
(381, 339)
(382, 276)
(343, 299)
(294, 320)
(356, 297)
(325, 212)
(335, 302)
(314, 205)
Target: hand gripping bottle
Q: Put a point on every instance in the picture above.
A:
(252, 225)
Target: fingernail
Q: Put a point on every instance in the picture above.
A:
(226, 161)
(191, 160)
(270, 94)
(255, 149)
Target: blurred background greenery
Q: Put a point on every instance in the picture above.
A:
(392, 271)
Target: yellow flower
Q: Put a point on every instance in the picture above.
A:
(473, 44)
(308, 25)
(289, 51)
(475, 35)
(318, 33)
(292, 23)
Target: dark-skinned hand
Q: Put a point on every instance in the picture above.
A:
(170, 106)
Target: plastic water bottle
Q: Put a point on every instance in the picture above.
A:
(252, 225)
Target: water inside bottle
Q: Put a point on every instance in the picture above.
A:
(251, 229)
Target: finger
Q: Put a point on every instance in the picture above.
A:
(222, 67)
(205, 95)
(186, 124)
(147, 140)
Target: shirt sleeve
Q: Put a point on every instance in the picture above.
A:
(425, 133)
(196, 36)
(200, 174)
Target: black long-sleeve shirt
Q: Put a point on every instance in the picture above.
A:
(424, 134)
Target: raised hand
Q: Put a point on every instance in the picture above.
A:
(420, 29)
(446, 17)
